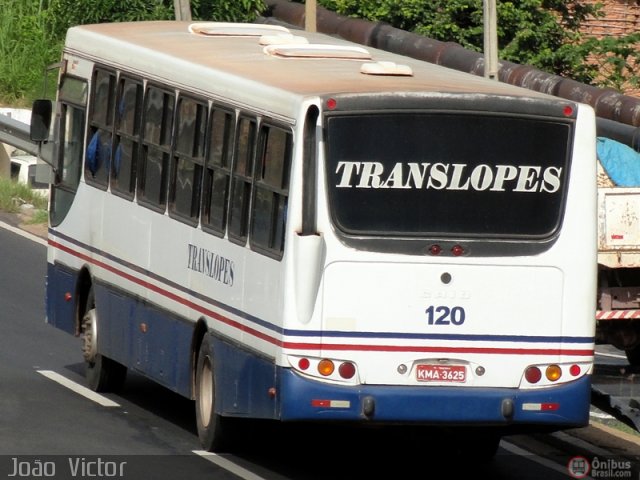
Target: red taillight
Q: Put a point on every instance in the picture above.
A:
(457, 250)
(303, 363)
(533, 374)
(332, 104)
(575, 370)
(347, 370)
(435, 249)
(568, 110)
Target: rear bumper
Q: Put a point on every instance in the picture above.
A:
(565, 405)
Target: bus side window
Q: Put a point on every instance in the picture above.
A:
(188, 160)
(242, 180)
(99, 140)
(68, 157)
(156, 148)
(127, 138)
(217, 172)
(268, 215)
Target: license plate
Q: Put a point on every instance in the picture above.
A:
(441, 373)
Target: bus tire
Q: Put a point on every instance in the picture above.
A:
(102, 373)
(210, 424)
(633, 356)
(478, 447)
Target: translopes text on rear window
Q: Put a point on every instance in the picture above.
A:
(458, 174)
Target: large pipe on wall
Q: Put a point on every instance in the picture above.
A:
(608, 103)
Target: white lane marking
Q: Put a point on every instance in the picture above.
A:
(77, 388)
(510, 447)
(23, 233)
(228, 465)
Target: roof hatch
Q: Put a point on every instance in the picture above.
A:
(386, 68)
(313, 50)
(223, 29)
(282, 38)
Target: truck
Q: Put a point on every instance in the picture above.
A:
(618, 294)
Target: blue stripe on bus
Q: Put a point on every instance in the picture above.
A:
(324, 333)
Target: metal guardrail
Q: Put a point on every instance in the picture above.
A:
(17, 134)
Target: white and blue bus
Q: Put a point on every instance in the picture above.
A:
(283, 225)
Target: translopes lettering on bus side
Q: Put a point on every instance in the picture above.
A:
(211, 264)
(445, 176)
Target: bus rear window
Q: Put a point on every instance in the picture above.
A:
(455, 174)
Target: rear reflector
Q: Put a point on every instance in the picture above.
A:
(540, 407)
(330, 403)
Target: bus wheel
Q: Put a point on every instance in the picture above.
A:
(102, 373)
(210, 424)
(485, 449)
(479, 447)
(633, 356)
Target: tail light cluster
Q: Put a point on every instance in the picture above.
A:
(550, 374)
(343, 371)
(456, 250)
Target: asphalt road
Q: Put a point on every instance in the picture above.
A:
(52, 430)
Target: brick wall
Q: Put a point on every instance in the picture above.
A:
(621, 17)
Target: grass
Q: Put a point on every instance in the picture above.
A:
(14, 195)
(26, 48)
(39, 216)
(611, 422)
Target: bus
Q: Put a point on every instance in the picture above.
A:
(286, 226)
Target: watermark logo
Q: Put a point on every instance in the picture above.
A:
(581, 467)
(74, 467)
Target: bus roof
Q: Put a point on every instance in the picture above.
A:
(192, 58)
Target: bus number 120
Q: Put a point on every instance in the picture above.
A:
(444, 315)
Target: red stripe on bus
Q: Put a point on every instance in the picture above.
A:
(168, 294)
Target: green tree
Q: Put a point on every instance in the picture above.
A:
(541, 33)
(32, 32)
(63, 14)
(229, 10)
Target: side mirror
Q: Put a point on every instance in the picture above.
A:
(40, 120)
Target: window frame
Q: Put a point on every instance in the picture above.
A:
(95, 125)
(238, 230)
(163, 147)
(221, 170)
(135, 137)
(278, 204)
(197, 158)
(72, 106)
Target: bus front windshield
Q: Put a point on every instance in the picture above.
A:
(452, 174)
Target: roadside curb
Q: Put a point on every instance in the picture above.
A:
(18, 223)
(603, 437)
